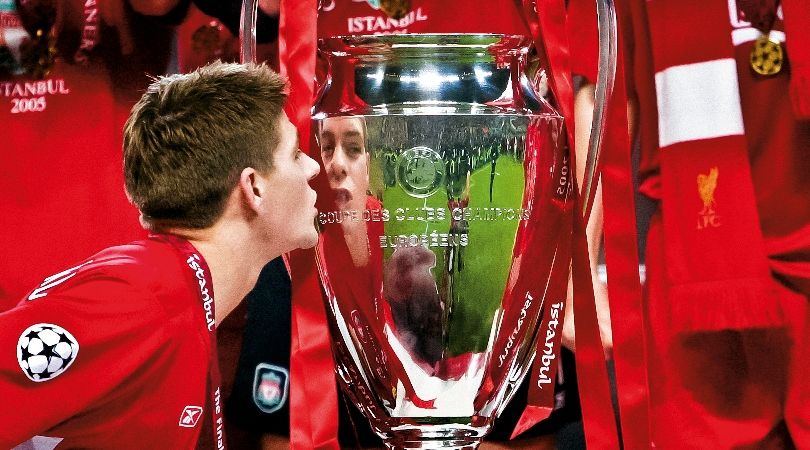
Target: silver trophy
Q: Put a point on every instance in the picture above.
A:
(445, 218)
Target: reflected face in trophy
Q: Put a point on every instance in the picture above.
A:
(345, 159)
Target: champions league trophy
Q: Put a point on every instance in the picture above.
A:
(445, 228)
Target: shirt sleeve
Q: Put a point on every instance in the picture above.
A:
(64, 352)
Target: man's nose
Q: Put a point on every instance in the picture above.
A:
(337, 167)
(312, 167)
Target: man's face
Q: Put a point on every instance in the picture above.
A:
(343, 150)
(291, 210)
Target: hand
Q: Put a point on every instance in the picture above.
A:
(600, 293)
(269, 7)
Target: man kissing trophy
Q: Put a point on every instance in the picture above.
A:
(446, 224)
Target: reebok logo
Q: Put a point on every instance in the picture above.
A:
(190, 416)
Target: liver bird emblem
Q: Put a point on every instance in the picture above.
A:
(706, 186)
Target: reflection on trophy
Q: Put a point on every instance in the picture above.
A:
(445, 228)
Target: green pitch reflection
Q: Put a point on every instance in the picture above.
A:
(480, 272)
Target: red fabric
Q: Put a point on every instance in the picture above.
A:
(61, 192)
(584, 38)
(728, 389)
(313, 396)
(621, 255)
(797, 18)
(57, 206)
(715, 283)
(337, 18)
(551, 33)
(597, 416)
(143, 354)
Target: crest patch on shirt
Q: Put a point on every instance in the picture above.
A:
(45, 351)
(270, 387)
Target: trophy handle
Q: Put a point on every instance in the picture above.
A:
(247, 32)
(606, 75)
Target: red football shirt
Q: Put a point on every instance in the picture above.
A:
(112, 353)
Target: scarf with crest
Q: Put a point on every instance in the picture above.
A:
(716, 264)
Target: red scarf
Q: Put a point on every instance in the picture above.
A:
(716, 263)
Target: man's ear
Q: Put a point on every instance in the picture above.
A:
(251, 187)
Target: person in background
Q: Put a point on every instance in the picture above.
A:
(125, 341)
(70, 70)
(723, 126)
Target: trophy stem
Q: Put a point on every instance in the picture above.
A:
(448, 444)
(435, 437)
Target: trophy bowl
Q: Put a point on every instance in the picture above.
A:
(445, 228)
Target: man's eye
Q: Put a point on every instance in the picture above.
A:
(354, 151)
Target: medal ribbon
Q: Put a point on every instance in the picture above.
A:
(548, 23)
(201, 278)
(761, 13)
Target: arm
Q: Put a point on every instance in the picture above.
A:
(56, 346)
(583, 116)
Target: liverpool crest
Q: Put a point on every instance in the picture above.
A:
(707, 184)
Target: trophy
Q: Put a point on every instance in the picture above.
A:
(445, 224)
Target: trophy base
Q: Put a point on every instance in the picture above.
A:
(434, 437)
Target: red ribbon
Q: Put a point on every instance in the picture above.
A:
(621, 253)
(200, 279)
(548, 24)
(313, 397)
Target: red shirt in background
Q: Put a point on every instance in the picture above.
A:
(62, 190)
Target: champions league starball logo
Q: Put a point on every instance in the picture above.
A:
(45, 351)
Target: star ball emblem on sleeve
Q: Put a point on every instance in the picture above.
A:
(45, 351)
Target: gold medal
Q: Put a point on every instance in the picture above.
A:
(767, 56)
(395, 9)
